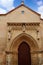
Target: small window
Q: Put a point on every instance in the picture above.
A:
(22, 12)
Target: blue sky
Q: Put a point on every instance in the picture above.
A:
(7, 5)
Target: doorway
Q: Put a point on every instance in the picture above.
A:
(24, 56)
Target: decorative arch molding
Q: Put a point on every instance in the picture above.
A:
(24, 37)
(13, 50)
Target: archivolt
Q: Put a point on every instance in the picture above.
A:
(27, 38)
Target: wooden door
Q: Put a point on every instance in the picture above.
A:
(24, 56)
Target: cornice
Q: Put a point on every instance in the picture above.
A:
(20, 24)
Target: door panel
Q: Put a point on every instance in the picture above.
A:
(24, 57)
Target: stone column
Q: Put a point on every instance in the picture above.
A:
(40, 58)
(8, 58)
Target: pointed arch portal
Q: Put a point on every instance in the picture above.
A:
(23, 49)
(24, 56)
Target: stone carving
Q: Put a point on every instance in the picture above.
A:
(23, 27)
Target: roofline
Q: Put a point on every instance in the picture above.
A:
(17, 8)
(41, 19)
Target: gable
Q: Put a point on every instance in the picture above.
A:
(16, 15)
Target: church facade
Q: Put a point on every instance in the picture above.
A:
(21, 37)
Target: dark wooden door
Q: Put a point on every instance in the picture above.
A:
(24, 57)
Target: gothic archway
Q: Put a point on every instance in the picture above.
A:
(33, 47)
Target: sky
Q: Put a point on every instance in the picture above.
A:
(7, 5)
